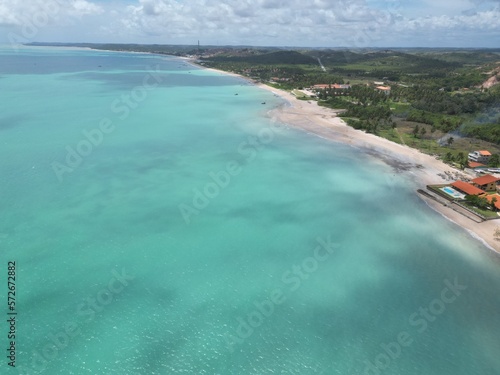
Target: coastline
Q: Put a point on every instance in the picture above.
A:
(420, 168)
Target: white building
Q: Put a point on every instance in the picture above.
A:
(480, 156)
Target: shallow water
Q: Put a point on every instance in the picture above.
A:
(196, 235)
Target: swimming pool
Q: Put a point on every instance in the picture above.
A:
(452, 192)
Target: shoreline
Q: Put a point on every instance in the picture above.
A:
(420, 168)
(324, 122)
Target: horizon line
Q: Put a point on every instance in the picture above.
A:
(257, 46)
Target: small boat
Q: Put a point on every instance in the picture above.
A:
(263, 103)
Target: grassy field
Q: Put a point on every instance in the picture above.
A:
(300, 95)
(399, 108)
(488, 214)
(429, 142)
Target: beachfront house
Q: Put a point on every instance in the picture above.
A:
(486, 183)
(467, 189)
(475, 165)
(482, 156)
(497, 200)
(384, 89)
(334, 86)
(331, 89)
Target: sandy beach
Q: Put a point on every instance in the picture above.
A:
(422, 169)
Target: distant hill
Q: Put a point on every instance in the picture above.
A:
(278, 57)
(381, 60)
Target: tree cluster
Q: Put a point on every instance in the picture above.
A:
(481, 202)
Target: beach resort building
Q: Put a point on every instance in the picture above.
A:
(486, 183)
(474, 165)
(334, 86)
(480, 156)
(497, 202)
(384, 89)
(467, 189)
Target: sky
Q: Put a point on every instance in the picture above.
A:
(288, 23)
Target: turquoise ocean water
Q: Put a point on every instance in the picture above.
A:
(161, 224)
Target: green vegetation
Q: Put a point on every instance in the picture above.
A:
(486, 132)
(300, 95)
(478, 202)
(435, 102)
(267, 58)
(481, 205)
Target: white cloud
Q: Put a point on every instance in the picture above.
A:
(248, 20)
(21, 12)
(6, 15)
(481, 21)
(264, 22)
(82, 8)
(317, 22)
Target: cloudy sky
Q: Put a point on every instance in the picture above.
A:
(313, 23)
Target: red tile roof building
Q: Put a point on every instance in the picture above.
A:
(490, 199)
(473, 164)
(487, 182)
(467, 188)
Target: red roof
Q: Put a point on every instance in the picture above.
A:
(467, 188)
(490, 198)
(473, 164)
(485, 153)
(383, 88)
(485, 180)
